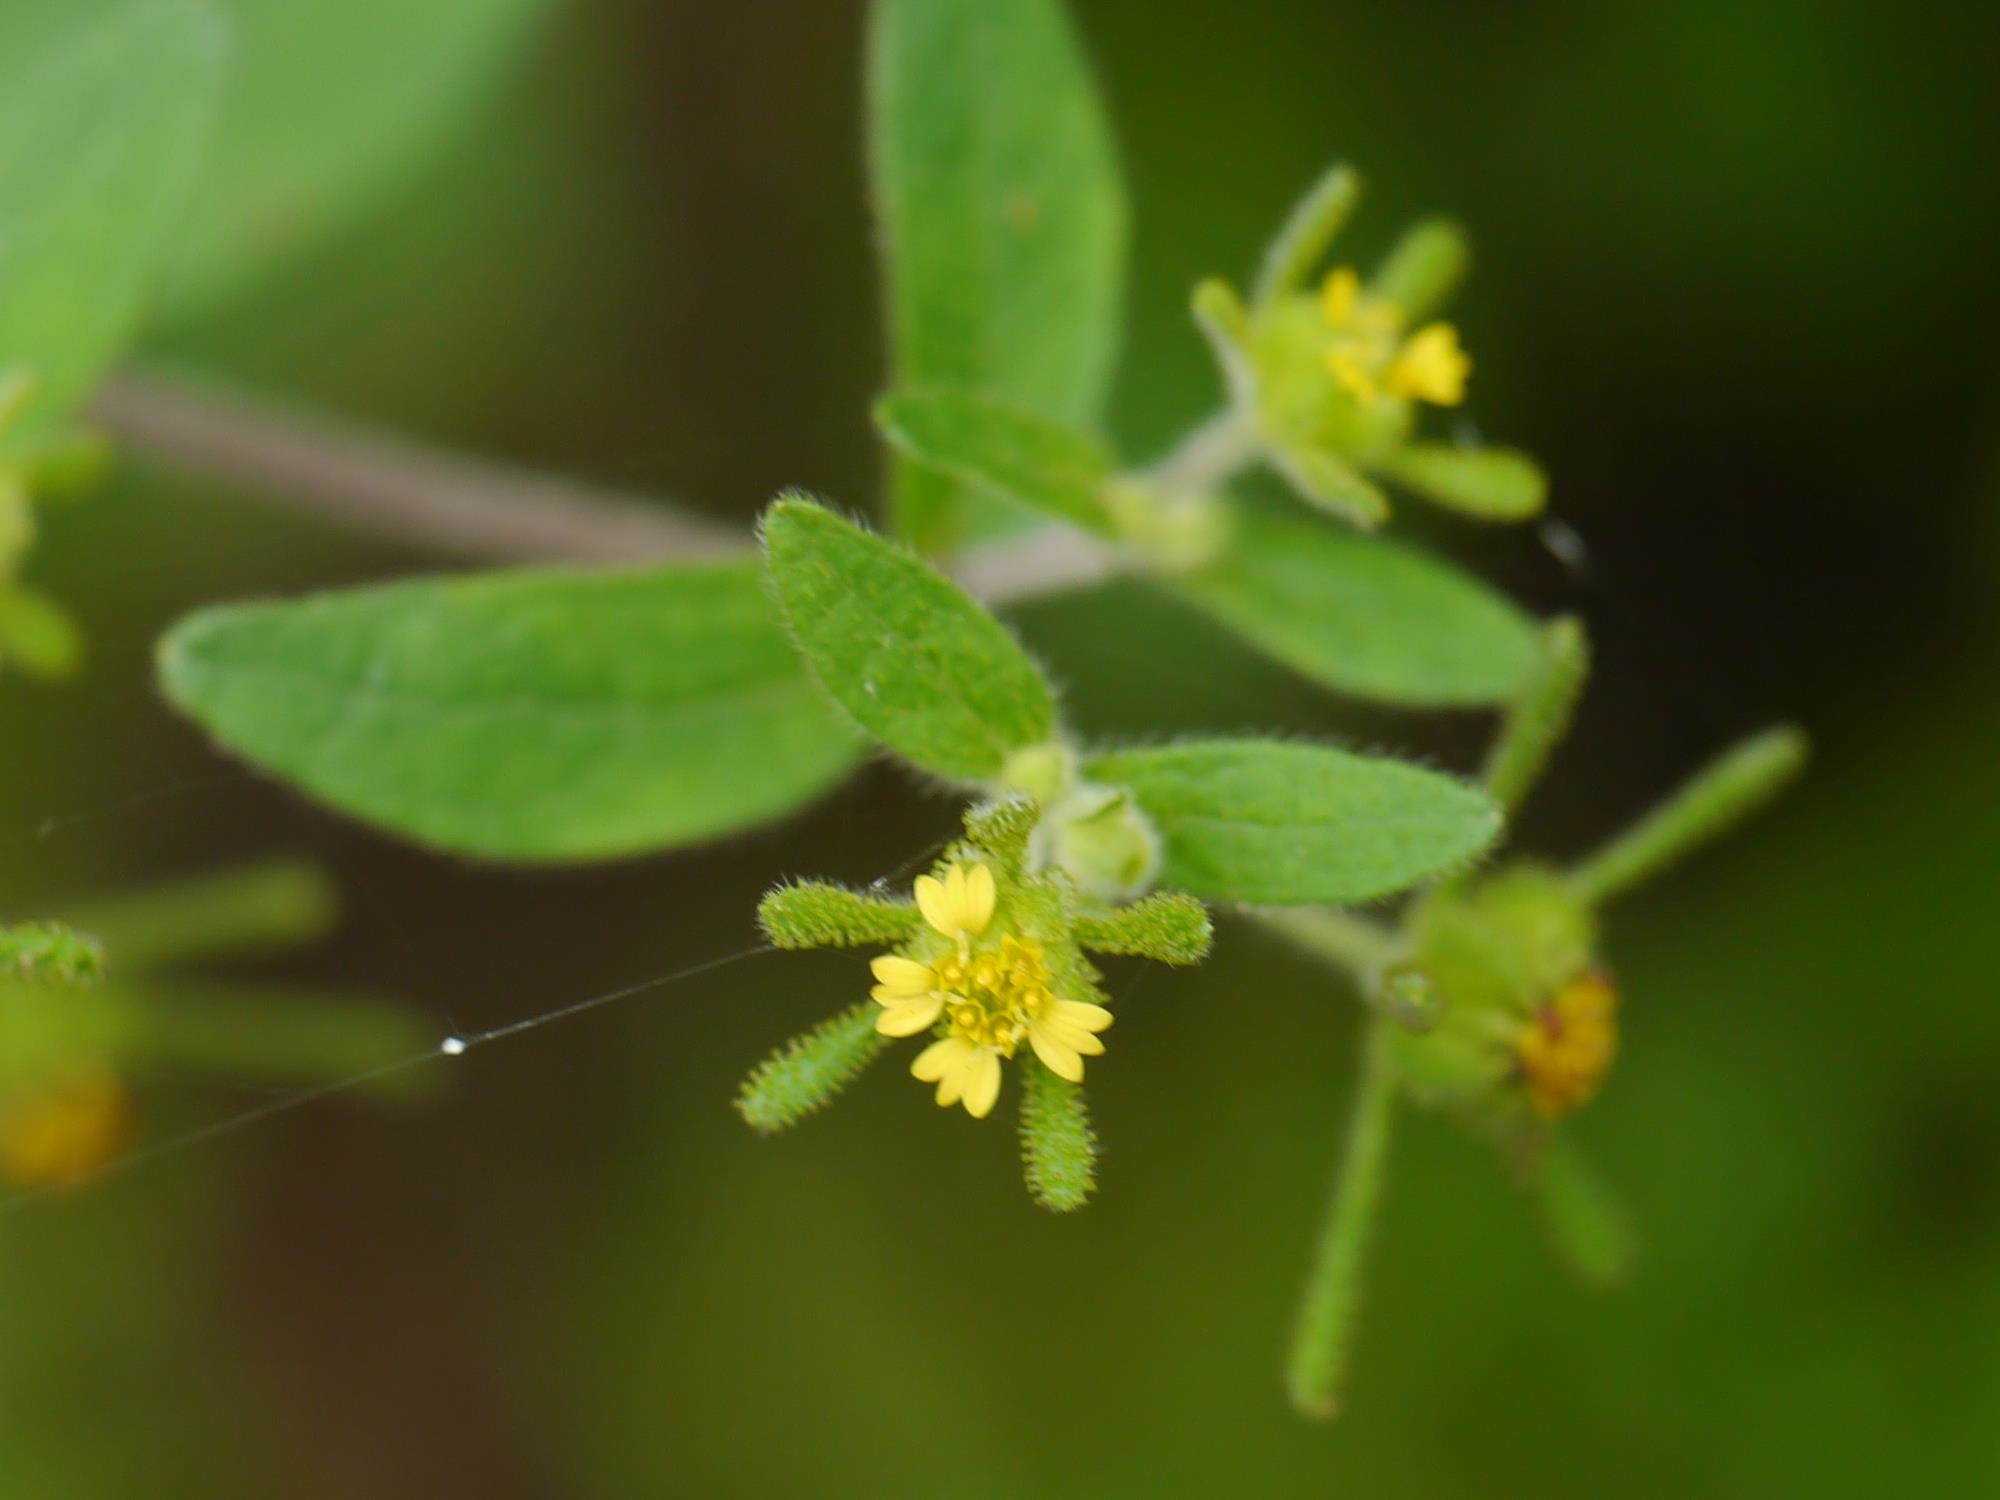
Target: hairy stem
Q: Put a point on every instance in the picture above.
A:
(1207, 456)
(1711, 802)
(1316, 1374)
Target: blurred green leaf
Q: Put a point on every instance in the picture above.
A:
(539, 715)
(1366, 615)
(1423, 268)
(36, 635)
(332, 105)
(1003, 219)
(916, 662)
(1585, 1225)
(104, 111)
(249, 910)
(1003, 451)
(1491, 484)
(1280, 824)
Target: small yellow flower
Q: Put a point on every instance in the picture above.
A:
(1369, 357)
(60, 1132)
(989, 996)
(1567, 1047)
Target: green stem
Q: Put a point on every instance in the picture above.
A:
(1348, 942)
(1316, 1374)
(1710, 803)
(1540, 714)
(1207, 457)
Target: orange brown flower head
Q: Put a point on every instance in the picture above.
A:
(1566, 1048)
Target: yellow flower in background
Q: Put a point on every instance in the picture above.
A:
(1567, 1047)
(989, 995)
(58, 1133)
(1369, 357)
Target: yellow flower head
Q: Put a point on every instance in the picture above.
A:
(1567, 1047)
(987, 992)
(1369, 358)
(60, 1132)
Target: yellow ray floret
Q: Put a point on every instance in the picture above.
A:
(961, 904)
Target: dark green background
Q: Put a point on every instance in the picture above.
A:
(1734, 286)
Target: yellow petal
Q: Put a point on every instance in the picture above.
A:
(902, 976)
(908, 1017)
(980, 894)
(1062, 1061)
(1081, 1013)
(934, 1061)
(1431, 367)
(932, 902)
(1338, 294)
(982, 1084)
(961, 904)
(1074, 1040)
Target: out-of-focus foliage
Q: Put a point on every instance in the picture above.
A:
(574, 1282)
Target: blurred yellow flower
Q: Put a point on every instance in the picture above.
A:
(57, 1133)
(1566, 1049)
(1370, 359)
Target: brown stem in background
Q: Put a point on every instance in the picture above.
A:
(394, 487)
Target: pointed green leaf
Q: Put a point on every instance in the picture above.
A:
(1366, 615)
(334, 105)
(916, 662)
(104, 113)
(1003, 451)
(1280, 824)
(538, 715)
(1003, 220)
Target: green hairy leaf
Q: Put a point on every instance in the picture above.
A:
(539, 715)
(807, 1072)
(1366, 615)
(1058, 1147)
(104, 111)
(812, 914)
(1278, 824)
(904, 650)
(334, 105)
(1003, 219)
(1004, 452)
